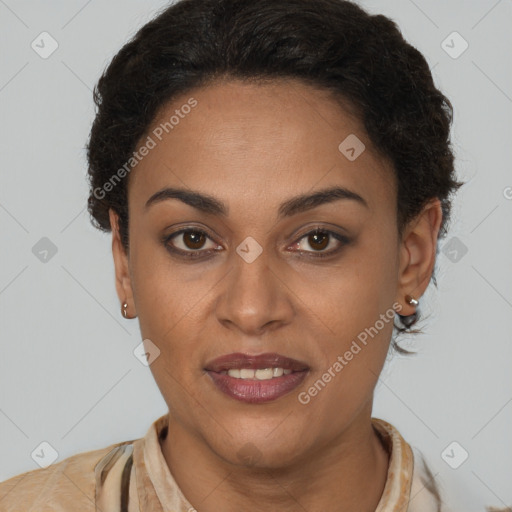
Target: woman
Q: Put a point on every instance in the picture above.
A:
(276, 175)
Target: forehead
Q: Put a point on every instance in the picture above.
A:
(243, 141)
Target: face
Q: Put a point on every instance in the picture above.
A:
(256, 268)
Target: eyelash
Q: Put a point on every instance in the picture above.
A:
(195, 254)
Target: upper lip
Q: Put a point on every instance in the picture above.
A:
(254, 362)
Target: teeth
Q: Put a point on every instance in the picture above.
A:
(246, 374)
(265, 374)
(277, 372)
(262, 374)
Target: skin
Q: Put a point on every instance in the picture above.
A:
(254, 146)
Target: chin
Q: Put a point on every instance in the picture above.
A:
(258, 451)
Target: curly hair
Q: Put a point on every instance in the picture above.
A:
(331, 44)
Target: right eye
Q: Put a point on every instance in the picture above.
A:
(189, 243)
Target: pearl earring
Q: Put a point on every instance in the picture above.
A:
(411, 300)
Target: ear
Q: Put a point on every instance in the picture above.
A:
(417, 254)
(122, 271)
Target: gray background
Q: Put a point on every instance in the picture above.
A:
(68, 375)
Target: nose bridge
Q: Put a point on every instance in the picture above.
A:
(253, 296)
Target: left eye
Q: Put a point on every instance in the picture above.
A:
(319, 240)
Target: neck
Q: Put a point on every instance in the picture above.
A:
(347, 474)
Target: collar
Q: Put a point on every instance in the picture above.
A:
(161, 492)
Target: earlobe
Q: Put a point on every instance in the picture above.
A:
(122, 271)
(417, 255)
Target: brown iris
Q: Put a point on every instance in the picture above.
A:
(194, 239)
(318, 240)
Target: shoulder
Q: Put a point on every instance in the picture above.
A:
(66, 485)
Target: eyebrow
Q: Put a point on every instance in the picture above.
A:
(210, 205)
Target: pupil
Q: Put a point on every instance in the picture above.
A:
(315, 238)
(197, 239)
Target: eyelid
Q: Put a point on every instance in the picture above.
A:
(342, 240)
(191, 254)
(323, 227)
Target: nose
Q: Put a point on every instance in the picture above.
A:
(254, 297)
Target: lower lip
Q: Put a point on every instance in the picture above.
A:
(257, 391)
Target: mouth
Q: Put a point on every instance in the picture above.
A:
(256, 378)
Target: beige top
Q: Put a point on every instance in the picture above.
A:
(133, 476)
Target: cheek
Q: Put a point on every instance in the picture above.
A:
(161, 299)
(351, 294)
(354, 303)
(172, 302)
(375, 263)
